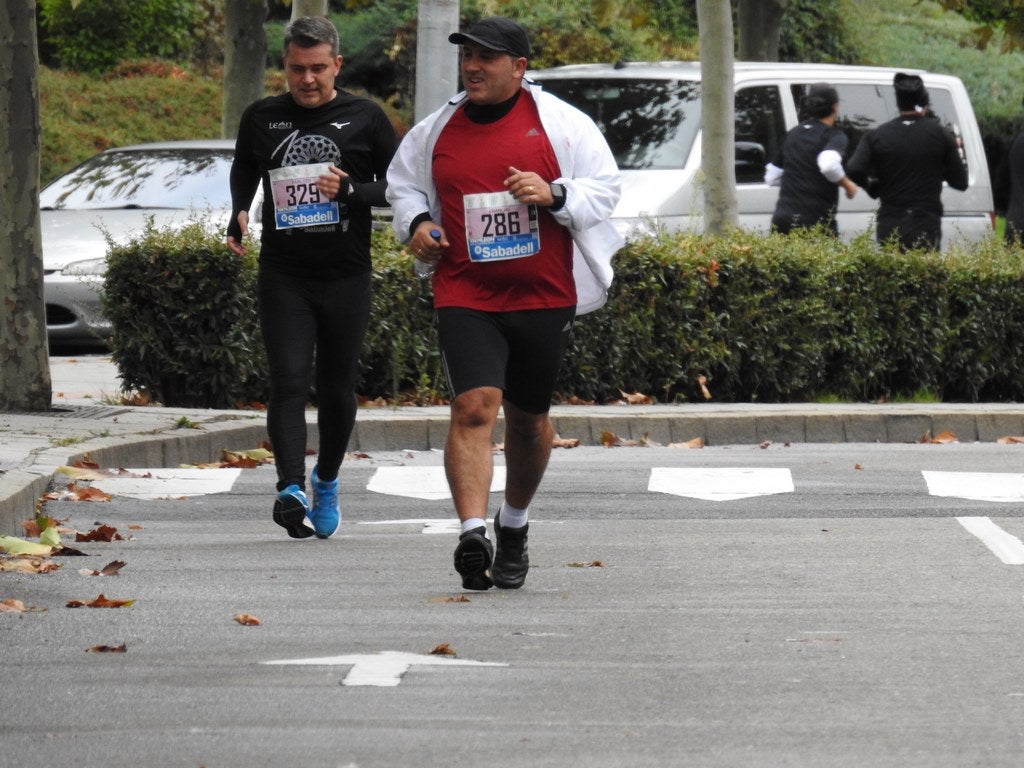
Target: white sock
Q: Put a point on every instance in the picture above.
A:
(510, 517)
(474, 522)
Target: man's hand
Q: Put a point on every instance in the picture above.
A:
(330, 184)
(425, 246)
(528, 187)
(237, 246)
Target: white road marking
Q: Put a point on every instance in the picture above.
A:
(173, 482)
(720, 484)
(1005, 546)
(447, 525)
(978, 486)
(383, 669)
(421, 482)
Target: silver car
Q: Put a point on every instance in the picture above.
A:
(113, 195)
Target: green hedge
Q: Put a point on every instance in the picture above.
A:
(759, 317)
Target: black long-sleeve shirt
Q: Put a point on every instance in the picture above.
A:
(903, 163)
(349, 132)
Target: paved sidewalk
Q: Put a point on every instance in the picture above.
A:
(87, 422)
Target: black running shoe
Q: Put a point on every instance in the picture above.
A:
(511, 560)
(473, 559)
(291, 512)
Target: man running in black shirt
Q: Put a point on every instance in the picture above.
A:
(809, 166)
(903, 163)
(322, 156)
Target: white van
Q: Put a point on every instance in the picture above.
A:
(650, 114)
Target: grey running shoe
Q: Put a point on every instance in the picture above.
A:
(511, 560)
(473, 559)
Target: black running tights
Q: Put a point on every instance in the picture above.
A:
(312, 327)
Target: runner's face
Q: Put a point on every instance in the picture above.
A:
(490, 77)
(310, 73)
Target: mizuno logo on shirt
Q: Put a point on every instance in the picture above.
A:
(339, 126)
(280, 124)
(533, 132)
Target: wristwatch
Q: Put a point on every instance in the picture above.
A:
(557, 196)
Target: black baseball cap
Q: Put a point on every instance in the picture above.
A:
(498, 34)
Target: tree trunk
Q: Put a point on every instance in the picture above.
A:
(24, 361)
(718, 136)
(245, 59)
(308, 8)
(759, 23)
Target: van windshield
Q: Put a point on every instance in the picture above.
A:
(647, 123)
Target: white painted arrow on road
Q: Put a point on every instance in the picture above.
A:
(978, 486)
(720, 484)
(421, 482)
(384, 669)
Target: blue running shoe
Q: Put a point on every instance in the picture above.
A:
(291, 512)
(325, 515)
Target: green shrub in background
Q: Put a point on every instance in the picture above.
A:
(400, 358)
(182, 309)
(94, 35)
(756, 317)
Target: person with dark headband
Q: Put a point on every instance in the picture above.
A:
(904, 163)
(321, 155)
(508, 191)
(809, 166)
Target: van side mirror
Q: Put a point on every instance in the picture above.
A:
(751, 159)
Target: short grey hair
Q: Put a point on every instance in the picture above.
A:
(310, 31)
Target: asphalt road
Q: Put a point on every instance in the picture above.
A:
(849, 618)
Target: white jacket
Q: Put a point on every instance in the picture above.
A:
(589, 173)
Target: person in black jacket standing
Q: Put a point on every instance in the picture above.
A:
(1008, 189)
(809, 166)
(322, 156)
(903, 163)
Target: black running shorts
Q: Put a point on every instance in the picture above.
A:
(518, 352)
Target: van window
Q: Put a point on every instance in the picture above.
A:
(647, 123)
(863, 106)
(760, 128)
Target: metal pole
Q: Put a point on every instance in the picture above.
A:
(437, 61)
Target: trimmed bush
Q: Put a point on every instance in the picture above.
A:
(182, 309)
(766, 318)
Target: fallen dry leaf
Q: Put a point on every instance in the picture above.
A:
(765, 444)
(100, 602)
(450, 599)
(636, 398)
(74, 493)
(110, 569)
(122, 648)
(85, 464)
(565, 442)
(697, 442)
(1010, 440)
(943, 438)
(591, 564)
(443, 650)
(702, 382)
(27, 564)
(857, 466)
(611, 440)
(246, 619)
(10, 605)
(102, 533)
